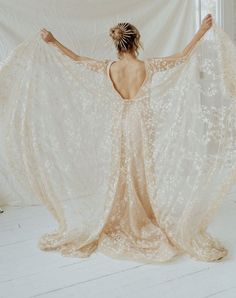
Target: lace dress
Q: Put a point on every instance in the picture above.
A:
(136, 179)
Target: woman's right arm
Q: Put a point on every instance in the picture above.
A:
(48, 37)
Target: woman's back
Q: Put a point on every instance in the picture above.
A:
(127, 77)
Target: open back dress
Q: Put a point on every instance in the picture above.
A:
(136, 179)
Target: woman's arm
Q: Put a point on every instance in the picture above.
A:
(163, 63)
(90, 63)
(48, 37)
(205, 26)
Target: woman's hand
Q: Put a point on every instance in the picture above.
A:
(206, 23)
(47, 36)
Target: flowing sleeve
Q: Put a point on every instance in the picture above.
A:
(164, 63)
(159, 64)
(193, 142)
(94, 65)
(57, 126)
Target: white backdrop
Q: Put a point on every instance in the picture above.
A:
(83, 25)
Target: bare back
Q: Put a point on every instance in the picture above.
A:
(127, 77)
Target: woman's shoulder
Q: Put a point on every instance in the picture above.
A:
(120, 63)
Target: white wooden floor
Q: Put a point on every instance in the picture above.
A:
(26, 271)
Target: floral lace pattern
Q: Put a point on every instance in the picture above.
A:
(137, 179)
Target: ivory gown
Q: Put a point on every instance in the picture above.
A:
(135, 179)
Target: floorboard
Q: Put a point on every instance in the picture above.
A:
(26, 271)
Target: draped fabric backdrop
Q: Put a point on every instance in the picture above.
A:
(83, 25)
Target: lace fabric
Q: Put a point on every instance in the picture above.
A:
(137, 179)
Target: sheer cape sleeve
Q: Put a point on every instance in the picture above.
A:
(163, 63)
(193, 132)
(57, 120)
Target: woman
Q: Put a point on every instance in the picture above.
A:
(131, 157)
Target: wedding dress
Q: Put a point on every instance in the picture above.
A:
(136, 179)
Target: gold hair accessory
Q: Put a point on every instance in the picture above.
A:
(125, 34)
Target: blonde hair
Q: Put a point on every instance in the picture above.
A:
(126, 38)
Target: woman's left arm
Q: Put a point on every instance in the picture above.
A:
(205, 26)
(164, 63)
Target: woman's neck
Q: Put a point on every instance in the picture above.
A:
(127, 56)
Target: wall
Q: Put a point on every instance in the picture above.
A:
(82, 25)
